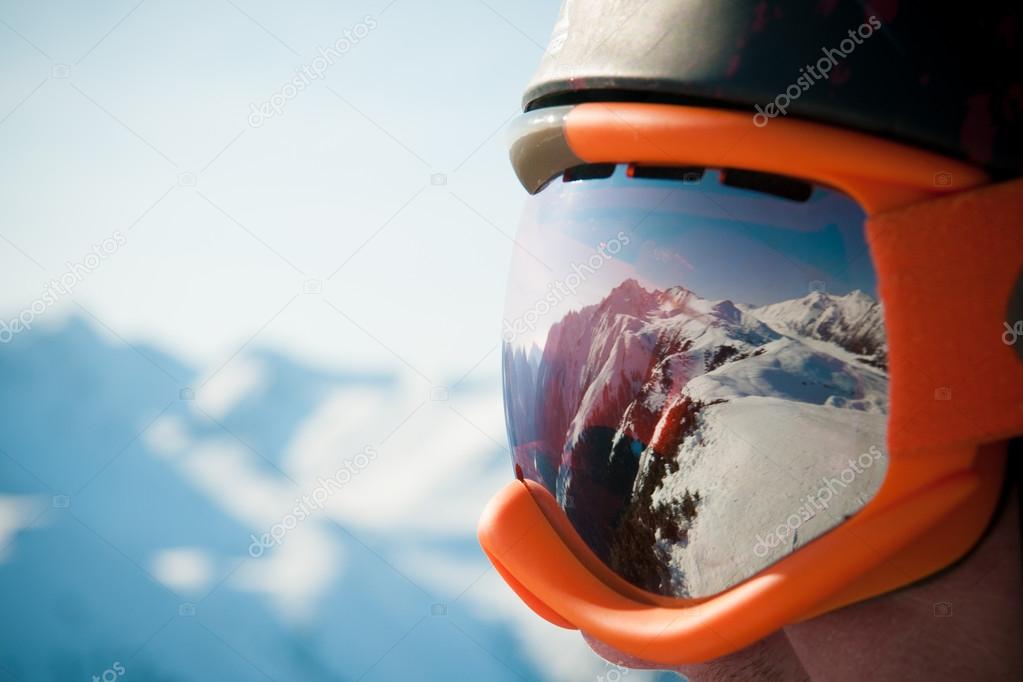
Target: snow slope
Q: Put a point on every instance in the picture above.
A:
(853, 321)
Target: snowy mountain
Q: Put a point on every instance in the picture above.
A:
(668, 422)
(127, 509)
(854, 321)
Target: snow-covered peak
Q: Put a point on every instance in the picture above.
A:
(853, 321)
(628, 298)
(726, 310)
(677, 295)
(854, 304)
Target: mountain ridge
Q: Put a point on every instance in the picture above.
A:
(627, 385)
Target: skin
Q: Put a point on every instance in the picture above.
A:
(902, 635)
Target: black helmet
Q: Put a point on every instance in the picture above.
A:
(942, 76)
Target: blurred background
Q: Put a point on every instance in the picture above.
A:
(253, 261)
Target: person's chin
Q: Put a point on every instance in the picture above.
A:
(771, 658)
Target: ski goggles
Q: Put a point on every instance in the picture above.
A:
(716, 427)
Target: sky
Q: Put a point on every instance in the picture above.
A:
(721, 242)
(384, 183)
(217, 287)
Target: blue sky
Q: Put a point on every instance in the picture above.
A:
(158, 93)
(730, 243)
(221, 312)
(720, 242)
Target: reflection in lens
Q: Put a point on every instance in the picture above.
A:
(697, 373)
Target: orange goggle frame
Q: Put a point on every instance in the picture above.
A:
(948, 252)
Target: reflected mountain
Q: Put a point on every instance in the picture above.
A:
(648, 413)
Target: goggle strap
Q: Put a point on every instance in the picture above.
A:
(948, 271)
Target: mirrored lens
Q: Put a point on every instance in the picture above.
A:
(695, 367)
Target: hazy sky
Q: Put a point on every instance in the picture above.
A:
(133, 166)
(135, 118)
